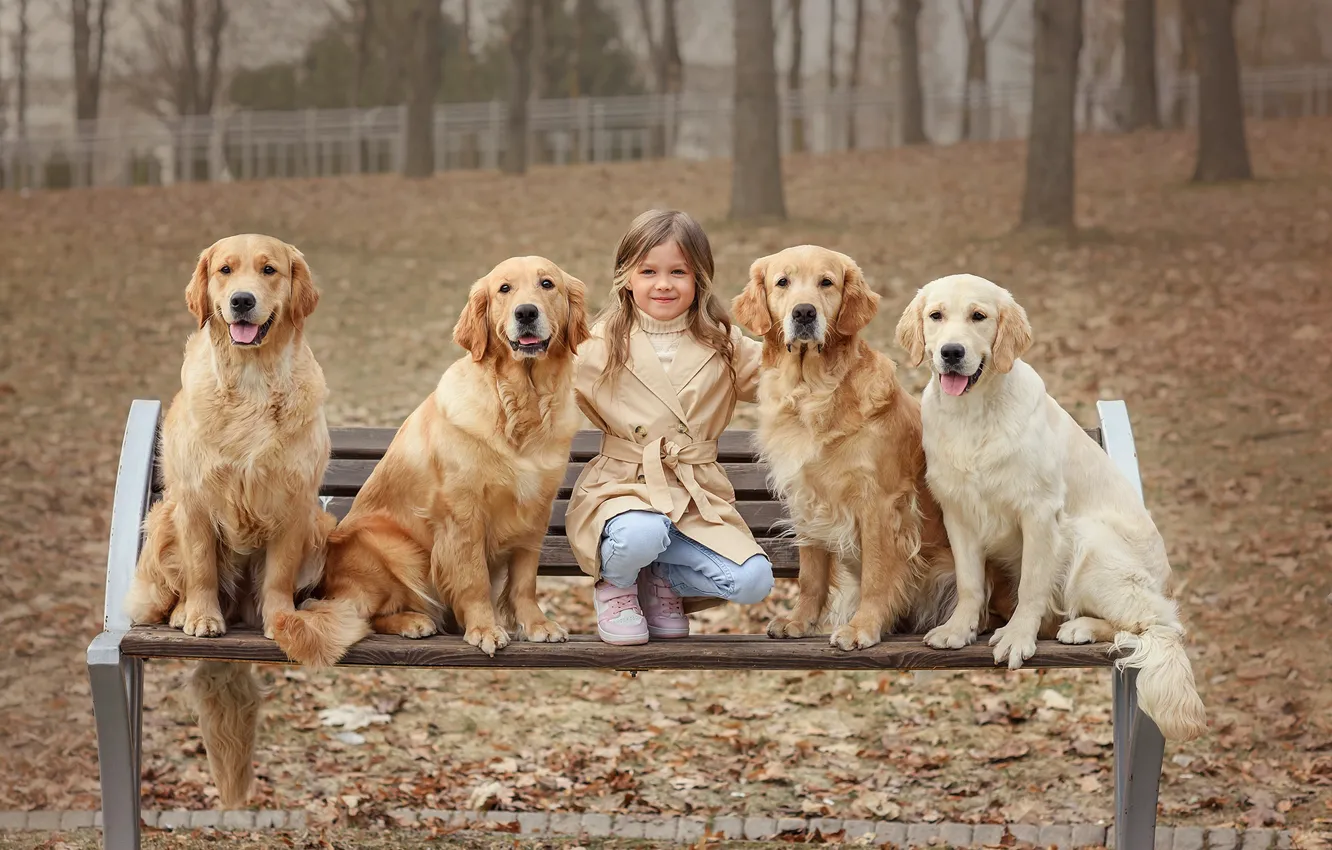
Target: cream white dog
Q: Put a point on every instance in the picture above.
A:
(1022, 485)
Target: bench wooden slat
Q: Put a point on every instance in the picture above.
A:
(345, 477)
(762, 516)
(701, 652)
(363, 443)
(370, 443)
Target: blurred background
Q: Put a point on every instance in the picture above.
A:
(1151, 178)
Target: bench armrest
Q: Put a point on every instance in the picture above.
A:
(134, 485)
(1117, 438)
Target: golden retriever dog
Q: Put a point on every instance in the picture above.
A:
(1024, 487)
(842, 442)
(451, 521)
(243, 450)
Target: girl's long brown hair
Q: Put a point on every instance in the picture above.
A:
(709, 320)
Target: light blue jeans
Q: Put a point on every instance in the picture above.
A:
(636, 539)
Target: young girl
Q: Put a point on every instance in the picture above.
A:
(653, 515)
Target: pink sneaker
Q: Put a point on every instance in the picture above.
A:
(662, 605)
(620, 620)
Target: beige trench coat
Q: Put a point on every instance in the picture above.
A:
(659, 452)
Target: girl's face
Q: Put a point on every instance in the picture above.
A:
(663, 283)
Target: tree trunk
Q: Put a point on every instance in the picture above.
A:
(1140, 64)
(217, 24)
(520, 72)
(853, 80)
(975, 83)
(1186, 60)
(911, 93)
(365, 23)
(1223, 152)
(423, 83)
(674, 63)
(188, 84)
(21, 96)
(1048, 199)
(89, 53)
(756, 175)
(794, 76)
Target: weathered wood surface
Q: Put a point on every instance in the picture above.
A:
(733, 447)
(701, 652)
(763, 517)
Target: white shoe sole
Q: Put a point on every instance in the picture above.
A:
(623, 640)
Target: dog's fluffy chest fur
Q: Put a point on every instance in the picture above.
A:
(987, 464)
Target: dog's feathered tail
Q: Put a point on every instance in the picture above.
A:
(320, 632)
(1166, 690)
(226, 697)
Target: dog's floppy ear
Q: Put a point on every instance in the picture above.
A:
(750, 307)
(1012, 337)
(304, 294)
(577, 332)
(859, 302)
(472, 332)
(196, 292)
(911, 329)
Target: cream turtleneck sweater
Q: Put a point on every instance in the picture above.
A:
(664, 336)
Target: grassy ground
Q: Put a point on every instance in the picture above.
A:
(1207, 309)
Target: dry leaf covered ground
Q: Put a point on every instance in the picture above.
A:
(1207, 309)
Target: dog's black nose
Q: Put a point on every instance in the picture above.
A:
(526, 313)
(242, 302)
(805, 313)
(952, 352)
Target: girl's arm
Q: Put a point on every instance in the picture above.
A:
(748, 357)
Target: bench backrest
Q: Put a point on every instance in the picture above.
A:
(357, 450)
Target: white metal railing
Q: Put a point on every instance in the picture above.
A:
(318, 143)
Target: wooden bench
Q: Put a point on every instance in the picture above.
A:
(116, 657)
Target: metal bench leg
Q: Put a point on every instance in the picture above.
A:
(1139, 751)
(117, 692)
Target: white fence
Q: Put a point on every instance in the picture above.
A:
(318, 143)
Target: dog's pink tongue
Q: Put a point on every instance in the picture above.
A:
(243, 332)
(529, 339)
(953, 384)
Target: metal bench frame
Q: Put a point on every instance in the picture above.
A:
(117, 678)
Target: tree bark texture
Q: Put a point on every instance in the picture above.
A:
(911, 94)
(756, 176)
(1223, 151)
(520, 84)
(795, 75)
(1142, 110)
(1048, 198)
(853, 76)
(423, 86)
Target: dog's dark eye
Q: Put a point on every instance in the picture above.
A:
(547, 283)
(269, 270)
(825, 282)
(225, 270)
(782, 282)
(504, 287)
(936, 316)
(978, 316)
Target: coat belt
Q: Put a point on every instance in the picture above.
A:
(658, 455)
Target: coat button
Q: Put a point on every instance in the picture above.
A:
(640, 431)
(682, 429)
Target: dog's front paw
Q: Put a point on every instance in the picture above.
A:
(851, 637)
(950, 636)
(1015, 642)
(545, 631)
(1077, 630)
(415, 626)
(488, 639)
(789, 627)
(203, 623)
